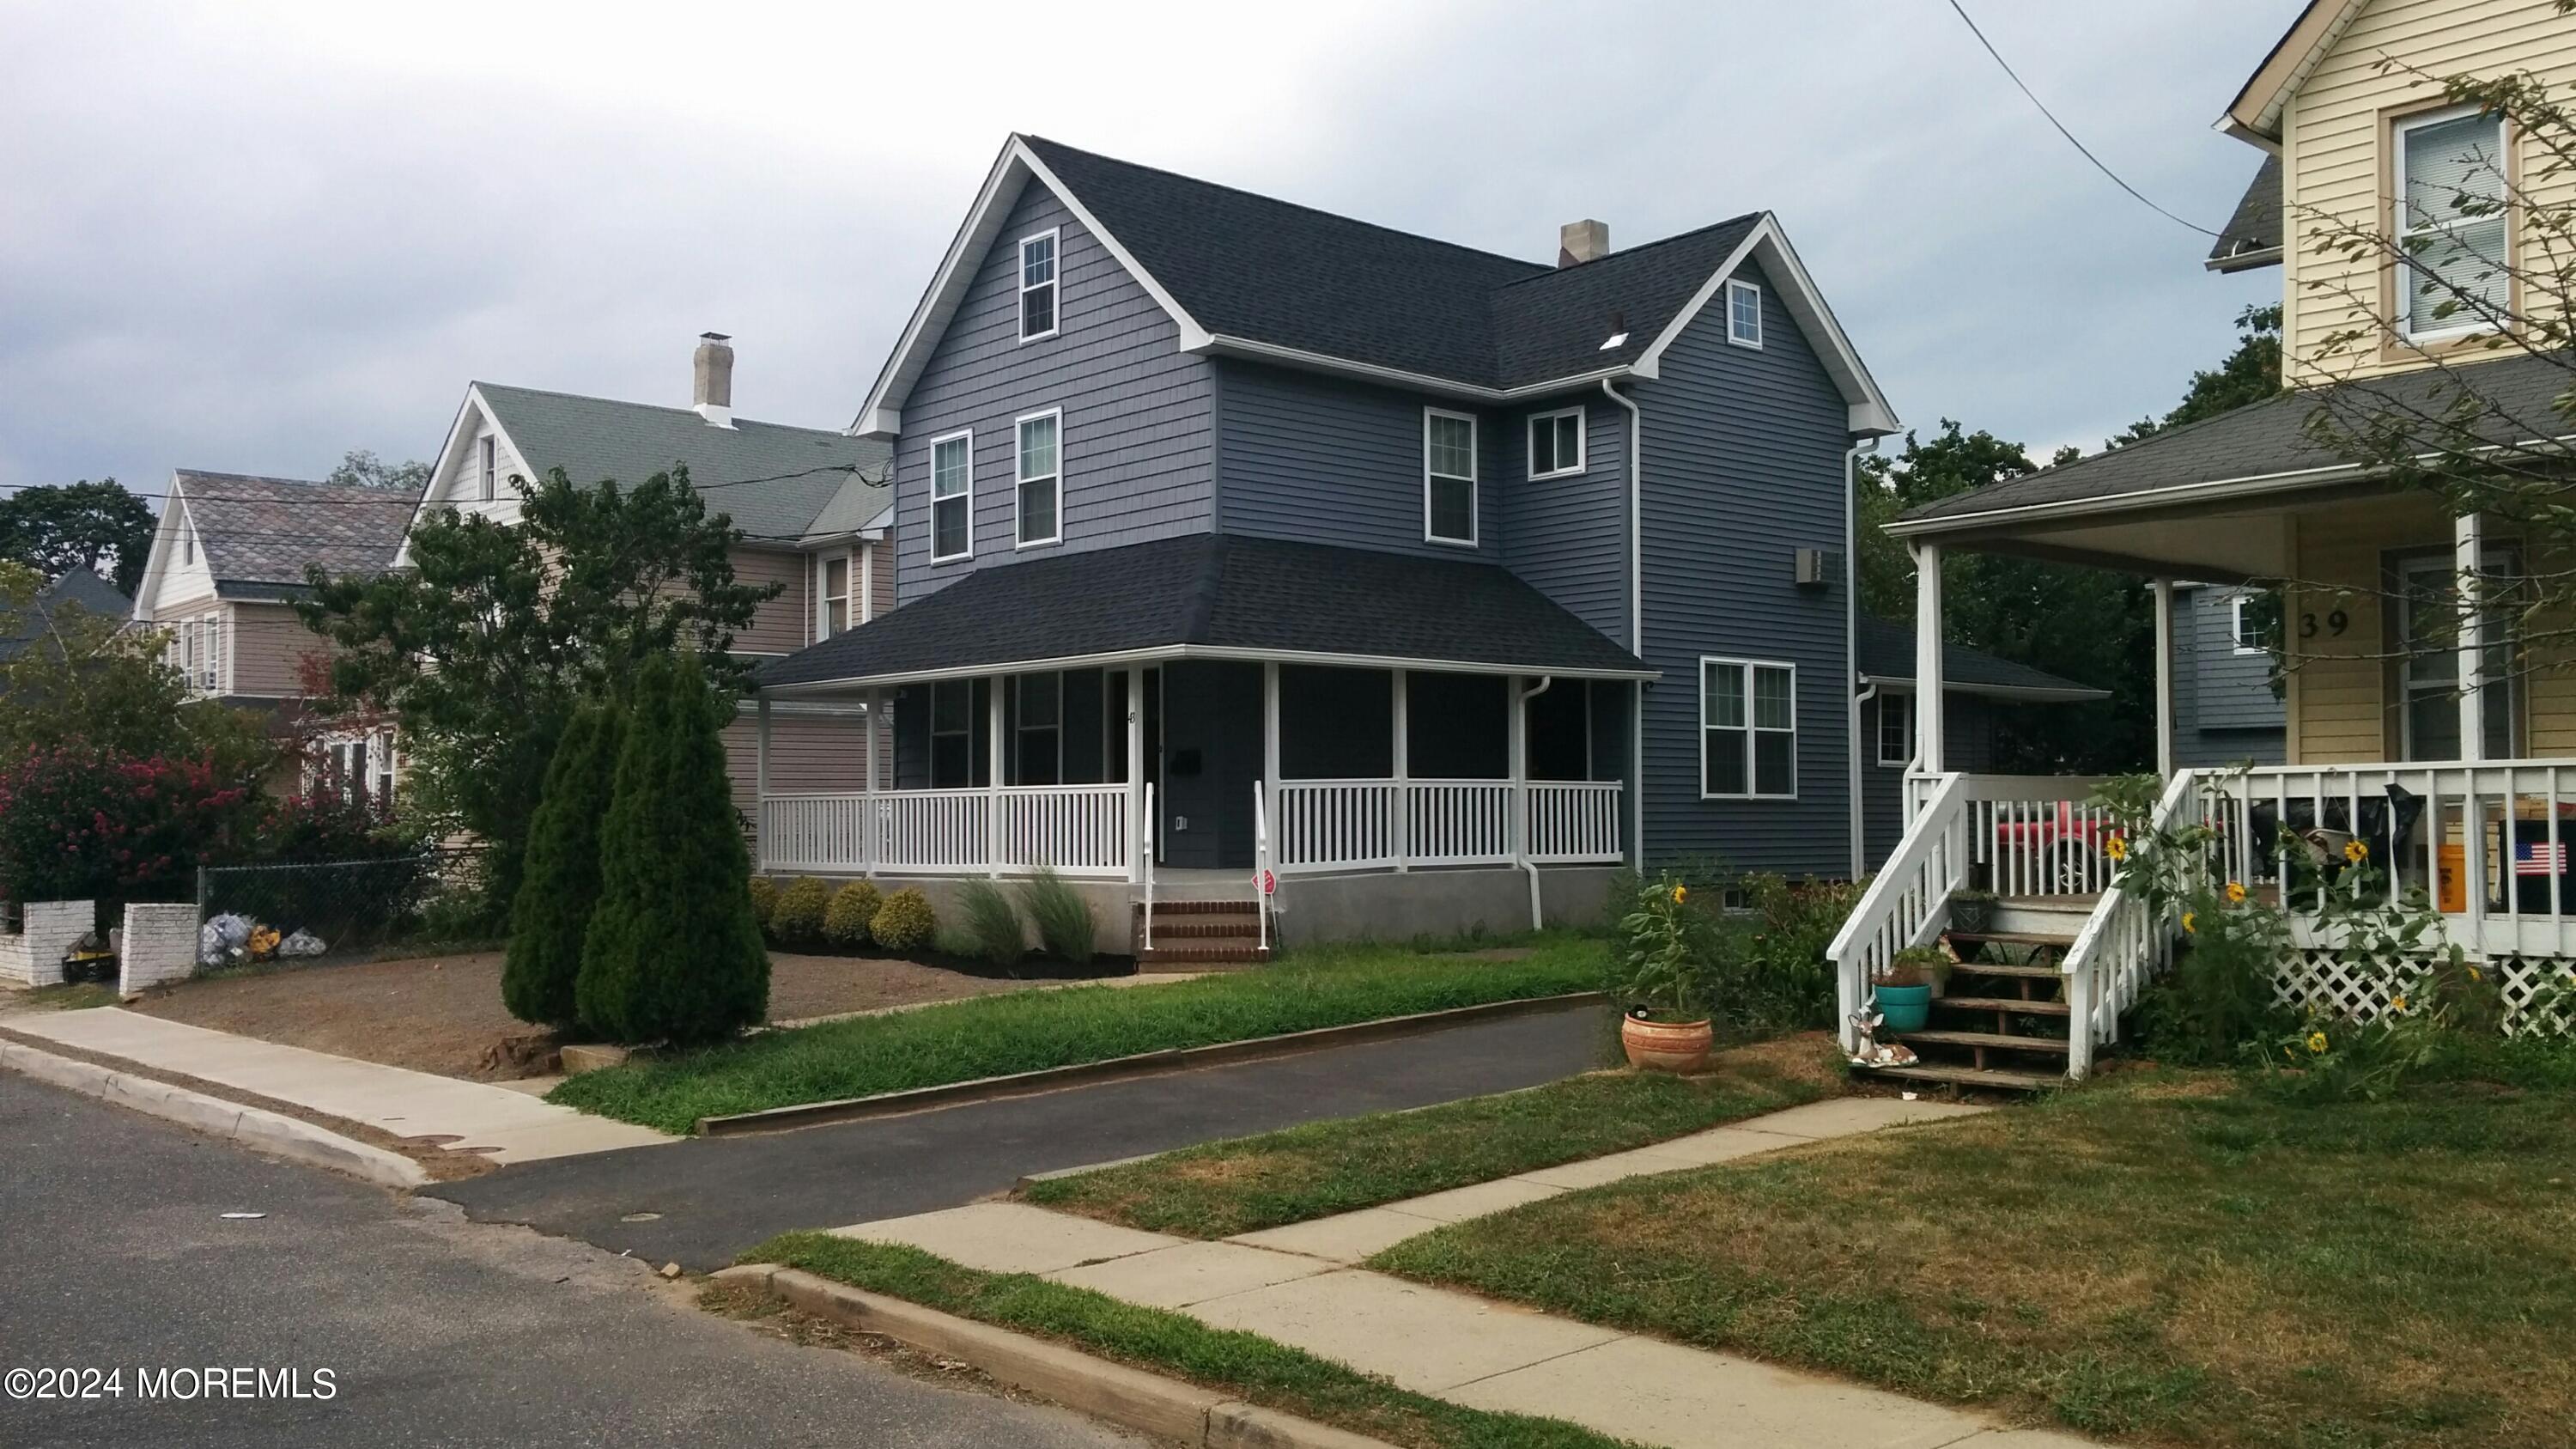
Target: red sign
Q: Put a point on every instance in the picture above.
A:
(1269, 884)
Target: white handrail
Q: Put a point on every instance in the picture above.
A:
(2121, 945)
(1907, 902)
(1147, 844)
(1261, 875)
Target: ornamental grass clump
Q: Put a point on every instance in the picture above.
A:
(991, 923)
(904, 922)
(853, 906)
(797, 919)
(1065, 924)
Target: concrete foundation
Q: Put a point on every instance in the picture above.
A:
(1385, 906)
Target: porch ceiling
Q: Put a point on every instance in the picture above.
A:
(2227, 546)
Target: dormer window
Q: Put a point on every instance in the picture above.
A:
(1448, 477)
(1556, 443)
(2451, 223)
(488, 469)
(1037, 286)
(1744, 313)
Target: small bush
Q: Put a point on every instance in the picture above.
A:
(1064, 920)
(797, 919)
(845, 920)
(904, 922)
(993, 922)
(764, 899)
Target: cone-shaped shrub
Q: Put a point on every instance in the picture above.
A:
(797, 919)
(674, 953)
(845, 920)
(904, 922)
(559, 884)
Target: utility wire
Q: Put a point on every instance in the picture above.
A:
(391, 497)
(2070, 135)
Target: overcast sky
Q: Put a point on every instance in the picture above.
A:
(255, 236)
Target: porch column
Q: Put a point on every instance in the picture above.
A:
(997, 753)
(1399, 811)
(1269, 787)
(760, 782)
(1927, 658)
(2164, 680)
(1516, 744)
(868, 784)
(2468, 540)
(1138, 824)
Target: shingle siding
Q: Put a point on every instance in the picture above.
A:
(1136, 432)
(1321, 460)
(1743, 465)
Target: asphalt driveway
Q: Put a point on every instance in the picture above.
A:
(701, 1202)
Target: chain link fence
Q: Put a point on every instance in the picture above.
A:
(297, 912)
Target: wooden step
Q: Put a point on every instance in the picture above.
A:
(1990, 1039)
(2013, 938)
(2006, 968)
(1987, 1077)
(2007, 1004)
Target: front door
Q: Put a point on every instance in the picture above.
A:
(1211, 760)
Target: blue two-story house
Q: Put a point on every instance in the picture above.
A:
(1241, 546)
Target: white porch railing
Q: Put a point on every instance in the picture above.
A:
(1081, 830)
(1353, 824)
(1908, 901)
(2121, 946)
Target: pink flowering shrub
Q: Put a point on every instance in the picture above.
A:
(80, 823)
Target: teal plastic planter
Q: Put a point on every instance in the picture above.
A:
(1905, 1007)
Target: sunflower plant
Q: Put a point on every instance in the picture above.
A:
(1665, 947)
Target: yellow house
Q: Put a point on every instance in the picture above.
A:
(2438, 738)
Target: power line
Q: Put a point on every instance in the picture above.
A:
(391, 498)
(2070, 135)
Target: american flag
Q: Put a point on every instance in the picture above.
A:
(2539, 857)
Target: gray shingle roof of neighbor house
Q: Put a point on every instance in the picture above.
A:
(78, 588)
(2268, 442)
(1220, 593)
(259, 533)
(800, 472)
(1884, 651)
(2252, 237)
(1252, 266)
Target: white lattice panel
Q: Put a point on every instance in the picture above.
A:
(2525, 985)
(2315, 982)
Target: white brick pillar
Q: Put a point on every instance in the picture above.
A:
(46, 929)
(160, 946)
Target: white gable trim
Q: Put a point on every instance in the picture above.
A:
(460, 434)
(1868, 411)
(2255, 115)
(162, 562)
(881, 416)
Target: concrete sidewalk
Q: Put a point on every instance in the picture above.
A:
(483, 1117)
(1295, 1285)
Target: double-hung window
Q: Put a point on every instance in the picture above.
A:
(210, 654)
(2451, 223)
(952, 497)
(2244, 626)
(1556, 443)
(1748, 717)
(1041, 478)
(489, 468)
(1896, 730)
(836, 595)
(2431, 616)
(1037, 286)
(1744, 313)
(1448, 477)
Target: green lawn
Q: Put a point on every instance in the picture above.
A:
(1223, 1188)
(1025, 1031)
(1256, 1369)
(2162, 1258)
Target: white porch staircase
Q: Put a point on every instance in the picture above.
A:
(2001, 1022)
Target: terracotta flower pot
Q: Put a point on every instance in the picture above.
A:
(1656, 1046)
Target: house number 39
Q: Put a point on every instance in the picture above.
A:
(2336, 623)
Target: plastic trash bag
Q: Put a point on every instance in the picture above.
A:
(220, 940)
(302, 943)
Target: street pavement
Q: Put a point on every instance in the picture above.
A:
(116, 1255)
(710, 1198)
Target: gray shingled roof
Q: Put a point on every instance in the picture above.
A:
(2270, 438)
(1272, 271)
(1220, 591)
(258, 534)
(2252, 237)
(799, 471)
(1883, 651)
(78, 588)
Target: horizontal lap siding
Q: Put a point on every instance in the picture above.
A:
(269, 645)
(1568, 536)
(778, 626)
(2335, 149)
(2224, 707)
(806, 754)
(1136, 450)
(2338, 713)
(1321, 460)
(1743, 465)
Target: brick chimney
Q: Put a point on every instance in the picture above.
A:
(1578, 242)
(712, 390)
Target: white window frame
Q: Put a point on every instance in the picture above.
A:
(490, 469)
(1475, 467)
(1752, 731)
(1020, 480)
(1904, 704)
(967, 437)
(1736, 286)
(2464, 320)
(1582, 443)
(1053, 285)
(2503, 694)
(2236, 625)
(823, 595)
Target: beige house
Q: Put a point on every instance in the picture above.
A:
(2426, 730)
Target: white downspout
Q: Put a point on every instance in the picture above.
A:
(1520, 792)
(1636, 614)
(1851, 643)
(1859, 818)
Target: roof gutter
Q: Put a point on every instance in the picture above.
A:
(1222, 345)
(2027, 693)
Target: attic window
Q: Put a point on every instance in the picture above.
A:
(187, 544)
(1556, 443)
(1744, 314)
(1037, 286)
(486, 475)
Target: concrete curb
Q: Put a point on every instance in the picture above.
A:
(253, 1127)
(983, 1089)
(1130, 1397)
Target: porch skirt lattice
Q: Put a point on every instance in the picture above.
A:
(2314, 981)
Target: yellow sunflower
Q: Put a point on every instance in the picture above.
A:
(2186, 922)
(2355, 851)
(2476, 975)
(2117, 848)
(1680, 894)
(2235, 893)
(2397, 1003)
(2316, 1042)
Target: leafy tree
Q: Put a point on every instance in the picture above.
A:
(86, 681)
(361, 468)
(560, 890)
(78, 822)
(2250, 374)
(485, 646)
(673, 952)
(52, 528)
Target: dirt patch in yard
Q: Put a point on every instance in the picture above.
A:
(443, 1013)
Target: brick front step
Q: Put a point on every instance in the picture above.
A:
(1191, 955)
